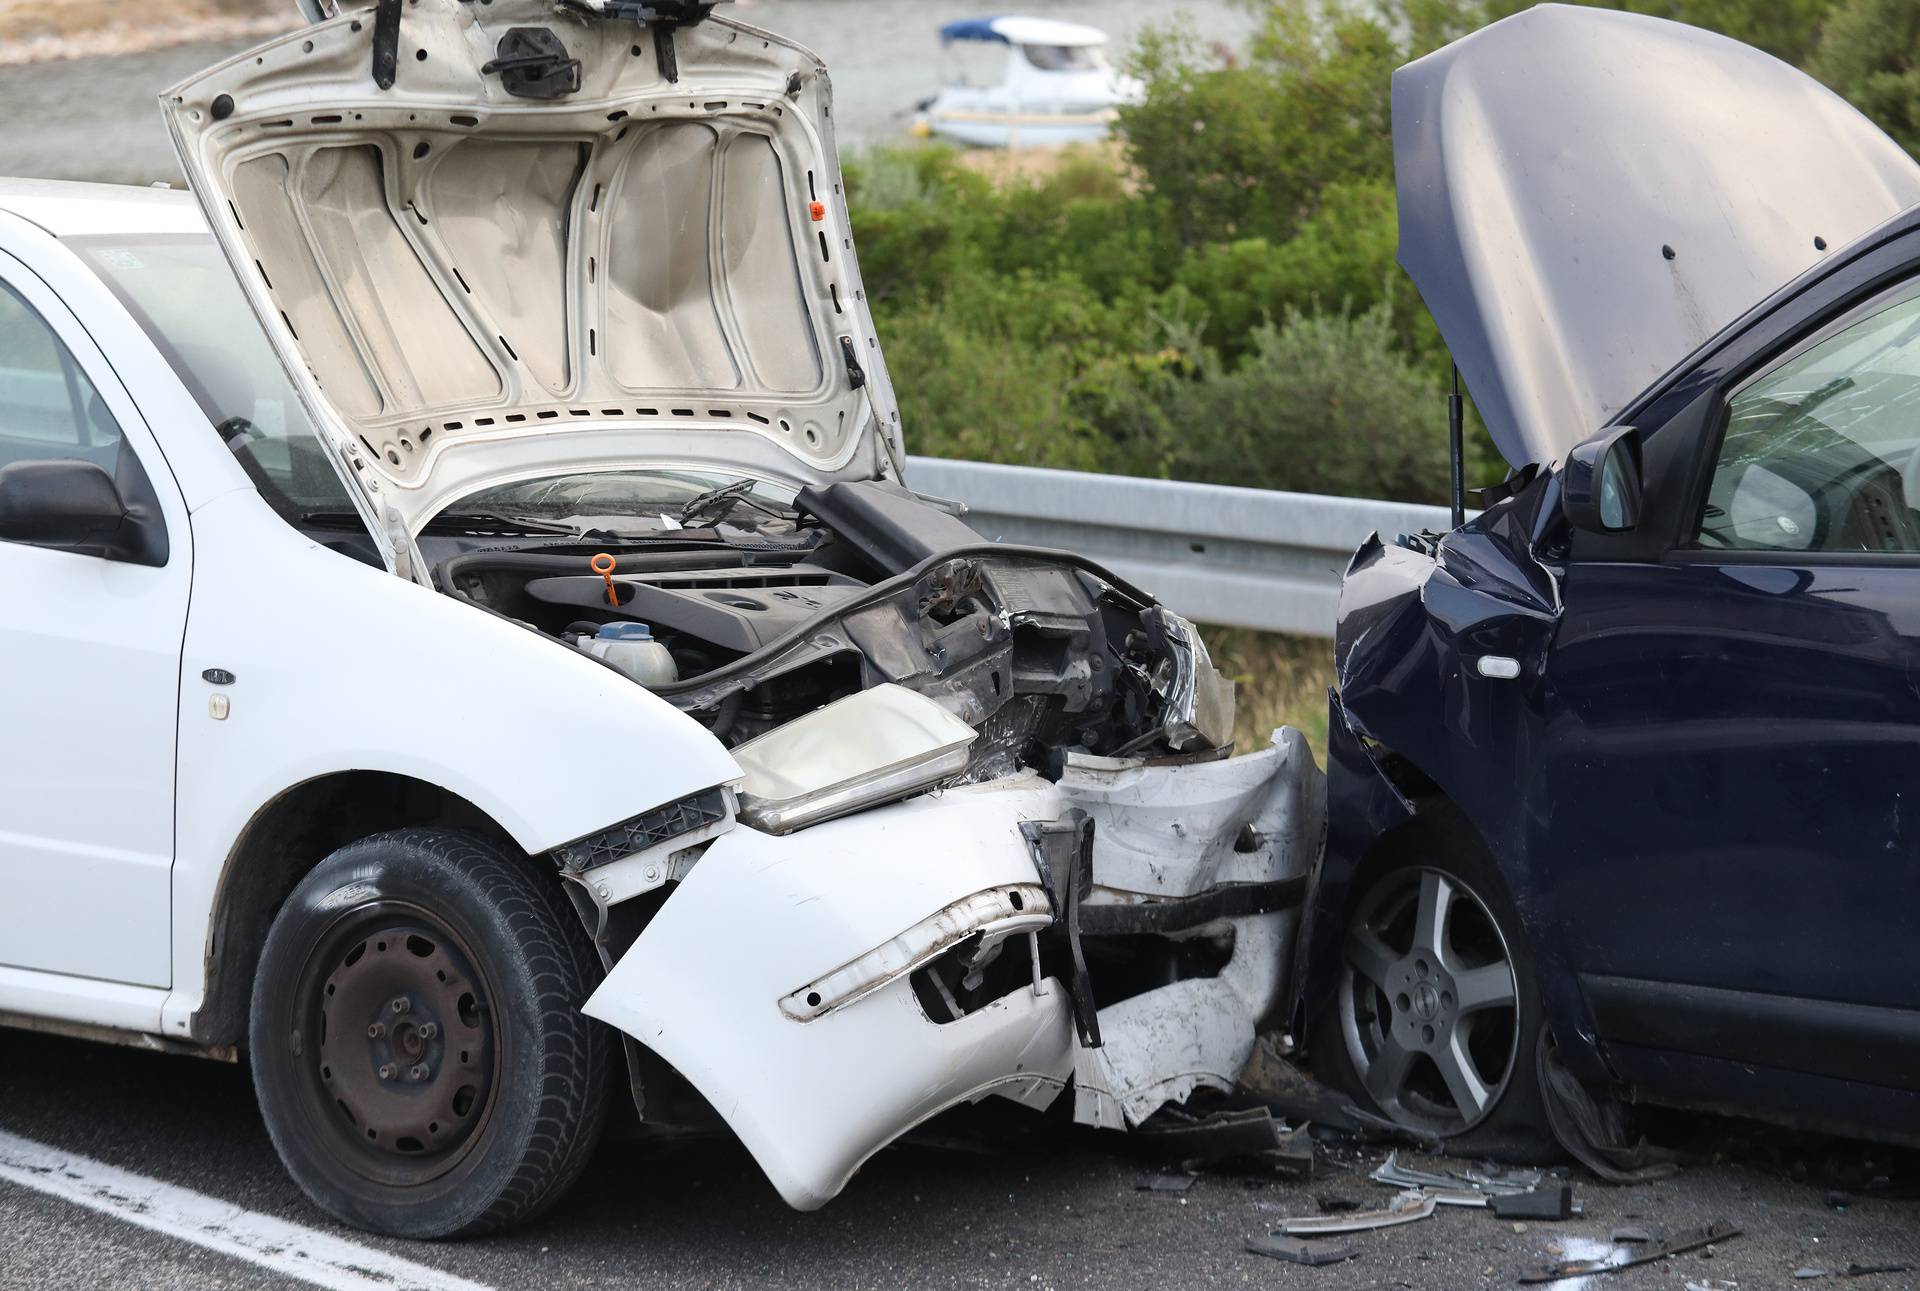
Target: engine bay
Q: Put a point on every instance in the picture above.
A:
(747, 614)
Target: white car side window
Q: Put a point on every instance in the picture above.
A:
(48, 407)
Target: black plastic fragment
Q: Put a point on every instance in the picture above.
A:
(1246, 1134)
(885, 522)
(1552, 1201)
(1298, 1250)
(386, 42)
(1228, 901)
(1063, 850)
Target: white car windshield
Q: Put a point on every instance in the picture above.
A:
(656, 497)
(182, 292)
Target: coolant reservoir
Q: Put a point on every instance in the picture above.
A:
(630, 647)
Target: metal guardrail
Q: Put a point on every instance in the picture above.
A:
(1250, 558)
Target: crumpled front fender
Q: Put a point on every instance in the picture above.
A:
(763, 917)
(778, 976)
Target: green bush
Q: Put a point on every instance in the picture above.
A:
(1223, 303)
(1323, 403)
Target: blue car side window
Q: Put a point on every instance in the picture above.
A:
(1822, 452)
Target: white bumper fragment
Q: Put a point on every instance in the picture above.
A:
(777, 978)
(1178, 831)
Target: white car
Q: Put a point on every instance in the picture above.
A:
(464, 619)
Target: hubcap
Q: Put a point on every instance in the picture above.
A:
(397, 1033)
(1428, 1002)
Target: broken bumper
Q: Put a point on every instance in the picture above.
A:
(793, 980)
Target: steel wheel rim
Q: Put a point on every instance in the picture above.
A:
(396, 1043)
(1429, 1002)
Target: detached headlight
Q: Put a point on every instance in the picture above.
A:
(869, 748)
(1199, 698)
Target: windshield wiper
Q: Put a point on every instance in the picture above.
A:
(494, 522)
(460, 521)
(714, 503)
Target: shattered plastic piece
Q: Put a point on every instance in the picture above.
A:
(1552, 1202)
(1630, 1234)
(1404, 1209)
(1808, 1274)
(1458, 1196)
(1689, 1240)
(1395, 1175)
(1163, 1183)
(1245, 1134)
(1295, 1251)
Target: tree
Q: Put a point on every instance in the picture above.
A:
(1869, 51)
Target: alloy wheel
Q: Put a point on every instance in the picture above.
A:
(1429, 1001)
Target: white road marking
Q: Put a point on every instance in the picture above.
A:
(299, 1252)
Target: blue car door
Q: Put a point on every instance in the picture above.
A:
(1730, 798)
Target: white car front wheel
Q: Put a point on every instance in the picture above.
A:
(418, 1051)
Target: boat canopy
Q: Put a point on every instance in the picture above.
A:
(1016, 30)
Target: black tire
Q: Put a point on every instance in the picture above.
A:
(1349, 1031)
(418, 1049)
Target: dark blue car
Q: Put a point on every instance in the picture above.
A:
(1625, 771)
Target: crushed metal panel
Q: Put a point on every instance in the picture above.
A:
(781, 977)
(759, 916)
(1162, 1045)
(1176, 831)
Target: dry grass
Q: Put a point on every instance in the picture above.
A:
(42, 30)
(1282, 681)
(1005, 166)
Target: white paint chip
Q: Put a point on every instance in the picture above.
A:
(291, 1249)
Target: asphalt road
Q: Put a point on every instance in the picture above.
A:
(1045, 1208)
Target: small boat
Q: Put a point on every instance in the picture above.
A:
(1057, 86)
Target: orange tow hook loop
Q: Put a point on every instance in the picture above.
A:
(603, 566)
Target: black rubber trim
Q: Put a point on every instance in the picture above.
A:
(1818, 1037)
(1230, 901)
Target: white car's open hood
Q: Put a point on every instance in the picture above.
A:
(446, 265)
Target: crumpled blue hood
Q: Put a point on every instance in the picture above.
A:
(1586, 196)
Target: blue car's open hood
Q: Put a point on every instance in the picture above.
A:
(1585, 196)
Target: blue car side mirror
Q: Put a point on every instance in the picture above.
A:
(1601, 485)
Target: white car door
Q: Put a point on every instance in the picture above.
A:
(89, 672)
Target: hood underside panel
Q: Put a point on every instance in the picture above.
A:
(445, 261)
(1586, 196)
